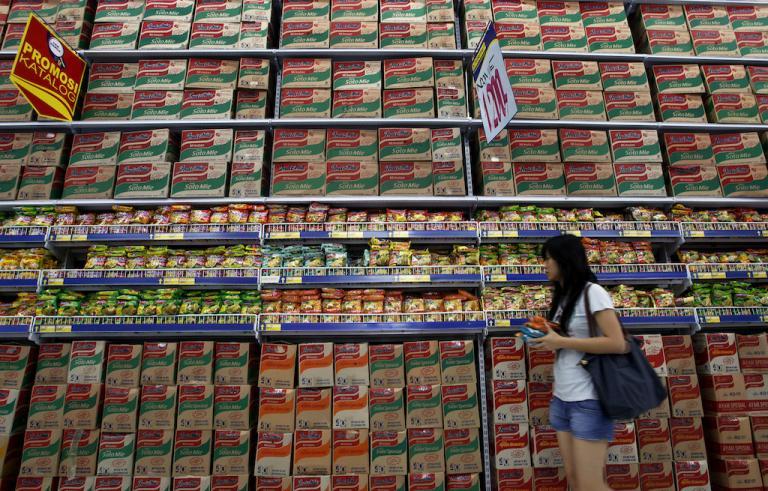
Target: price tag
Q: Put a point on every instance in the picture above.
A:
(293, 280)
(493, 234)
(270, 279)
(168, 236)
(497, 101)
(636, 233)
(577, 233)
(503, 323)
(759, 275)
(702, 276)
(62, 238)
(399, 234)
(413, 278)
(79, 238)
(54, 281)
(178, 281)
(712, 319)
(54, 329)
(338, 235)
(355, 235)
(272, 327)
(764, 233)
(696, 233)
(284, 235)
(498, 278)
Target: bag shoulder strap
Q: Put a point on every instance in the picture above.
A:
(592, 322)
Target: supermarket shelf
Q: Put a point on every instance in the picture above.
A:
(635, 318)
(80, 236)
(382, 277)
(176, 124)
(371, 54)
(23, 236)
(444, 202)
(539, 232)
(706, 232)
(414, 323)
(174, 325)
(16, 327)
(726, 317)
(631, 274)
(576, 201)
(376, 123)
(122, 55)
(364, 231)
(757, 272)
(25, 280)
(92, 279)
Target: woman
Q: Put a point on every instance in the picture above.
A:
(583, 430)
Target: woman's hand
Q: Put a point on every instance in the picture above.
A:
(551, 340)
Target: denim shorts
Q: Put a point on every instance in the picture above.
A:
(584, 419)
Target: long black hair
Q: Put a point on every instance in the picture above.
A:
(569, 254)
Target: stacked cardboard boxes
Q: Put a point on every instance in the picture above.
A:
(72, 20)
(368, 24)
(385, 416)
(32, 164)
(16, 377)
(662, 450)
(181, 24)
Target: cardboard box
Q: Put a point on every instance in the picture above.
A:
(724, 394)
(94, 148)
(17, 369)
(752, 352)
(424, 407)
(397, 35)
(198, 179)
(212, 74)
(688, 148)
(253, 35)
(509, 399)
(277, 408)
(743, 180)
(507, 358)
(460, 406)
(622, 476)
(653, 440)
(79, 451)
(112, 106)
(349, 75)
(233, 408)
(231, 452)
(350, 362)
(387, 408)
(89, 182)
(40, 453)
(678, 79)
(737, 148)
(350, 452)
(158, 407)
(535, 103)
(657, 476)
(576, 75)
(496, 150)
(462, 451)
(653, 349)
(195, 407)
(115, 454)
(732, 108)
(313, 409)
(706, 16)
(367, 10)
(356, 103)
(277, 365)
(389, 453)
(305, 103)
(251, 104)
(582, 105)
(755, 386)
(540, 363)
(687, 438)
(405, 178)
(144, 483)
(308, 34)
(47, 149)
(25, 483)
(742, 473)
(245, 180)
(387, 365)
(164, 34)
(147, 180)
(613, 38)
(119, 414)
(14, 404)
(192, 453)
(173, 9)
(115, 11)
(409, 103)
(123, 365)
(762, 107)
(195, 362)
(161, 75)
(273, 454)
(344, 145)
(629, 106)
(682, 108)
(451, 103)
(584, 146)
(760, 435)
(15, 148)
(254, 73)
(425, 450)
(668, 42)
(714, 42)
(511, 446)
(583, 179)
(306, 73)
(691, 474)
(350, 407)
(234, 363)
(728, 436)
(725, 79)
(82, 406)
(292, 145)
(46, 407)
(403, 11)
(40, 183)
(397, 144)
(315, 364)
(154, 453)
(86, 362)
(52, 363)
(539, 395)
(422, 362)
(158, 364)
(221, 10)
(146, 146)
(9, 180)
(635, 146)
(210, 103)
(621, 76)
(408, 73)
(685, 396)
(192, 483)
(716, 353)
(636, 179)
(694, 180)
(546, 452)
(519, 477)
(312, 452)
(449, 74)
(534, 145)
(623, 447)
(114, 35)
(563, 37)
(529, 73)
(758, 79)
(298, 178)
(349, 482)
(678, 352)
(311, 483)
(354, 34)
(457, 362)
(300, 9)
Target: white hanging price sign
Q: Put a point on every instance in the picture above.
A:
(497, 102)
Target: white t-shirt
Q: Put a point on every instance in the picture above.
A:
(572, 382)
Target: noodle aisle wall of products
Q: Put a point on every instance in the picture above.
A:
(274, 250)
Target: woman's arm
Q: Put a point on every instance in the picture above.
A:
(611, 342)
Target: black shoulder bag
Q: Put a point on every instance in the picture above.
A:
(626, 384)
